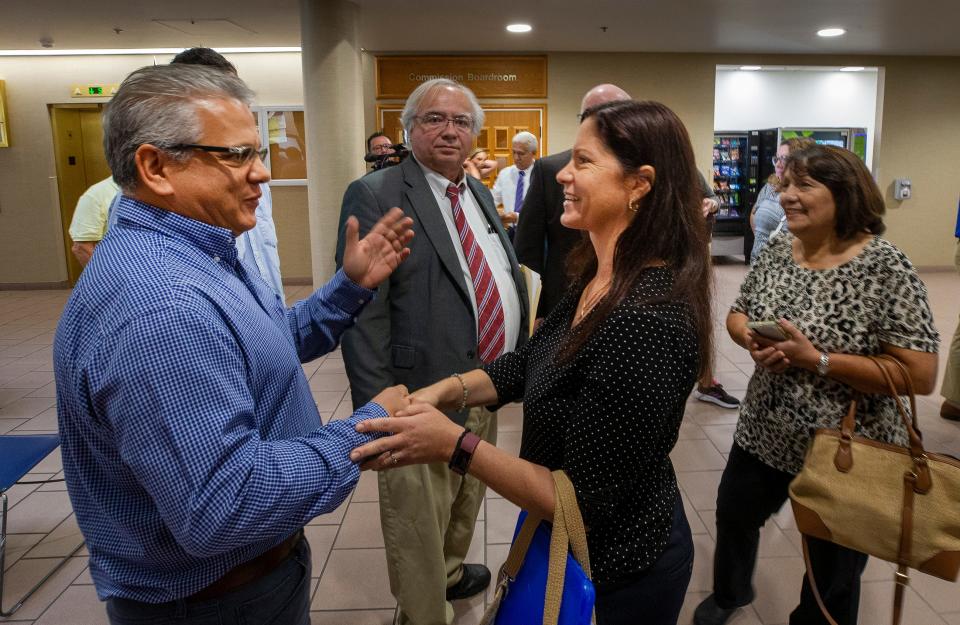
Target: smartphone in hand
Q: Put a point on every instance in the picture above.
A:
(768, 329)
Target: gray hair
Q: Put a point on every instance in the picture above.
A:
(157, 105)
(412, 107)
(527, 139)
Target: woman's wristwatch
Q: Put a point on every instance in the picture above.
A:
(463, 452)
(823, 365)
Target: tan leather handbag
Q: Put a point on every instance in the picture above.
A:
(900, 504)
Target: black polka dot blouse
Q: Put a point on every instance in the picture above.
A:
(610, 417)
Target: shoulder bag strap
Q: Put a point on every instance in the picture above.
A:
(510, 568)
(568, 533)
(922, 482)
(813, 582)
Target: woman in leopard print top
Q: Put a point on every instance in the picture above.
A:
(840, 293)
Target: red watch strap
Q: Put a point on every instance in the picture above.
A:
(469, 443)
(463, 453)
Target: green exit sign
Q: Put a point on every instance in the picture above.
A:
(93, 90)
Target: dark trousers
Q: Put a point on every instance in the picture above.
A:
(656, 595)
(280, 596)
(750, 492)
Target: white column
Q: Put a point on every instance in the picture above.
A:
(333, 99)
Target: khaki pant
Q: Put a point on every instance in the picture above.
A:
(428, 514)
(951, 377)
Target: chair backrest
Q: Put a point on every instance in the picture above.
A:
(19, 454)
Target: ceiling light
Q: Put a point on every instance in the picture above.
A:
(853, 68)
(519, 28)
(831, 32)
(750, 68)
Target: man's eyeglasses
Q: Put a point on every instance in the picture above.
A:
(234, 154)
(436, 121)
(778, 160)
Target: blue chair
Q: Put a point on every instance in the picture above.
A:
(18, 455)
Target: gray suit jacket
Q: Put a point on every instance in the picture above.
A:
(420, 327)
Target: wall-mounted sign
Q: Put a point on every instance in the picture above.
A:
(487, 76)
(93, 91)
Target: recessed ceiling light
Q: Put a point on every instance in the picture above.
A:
(750, 68)
(853, 68)
(519, 28)
(831, 32)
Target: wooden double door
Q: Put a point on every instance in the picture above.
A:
(500, 125)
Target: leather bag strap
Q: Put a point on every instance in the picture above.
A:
(910, 421)
(901, 577)
(813, 582)
(923, 481)
(901, 583)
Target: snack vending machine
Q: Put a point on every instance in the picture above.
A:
(742, 161)
(730, 169)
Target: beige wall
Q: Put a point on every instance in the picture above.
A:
(684, 82)
(919, 135)
(31, 243)
(921, 140)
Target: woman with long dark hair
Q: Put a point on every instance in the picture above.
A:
(605, 378)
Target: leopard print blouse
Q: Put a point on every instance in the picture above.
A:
(874, 298)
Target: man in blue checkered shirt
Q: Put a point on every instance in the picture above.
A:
(192, 447)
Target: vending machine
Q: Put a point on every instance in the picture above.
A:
(853, 139)
(730, 169)
(742, 162)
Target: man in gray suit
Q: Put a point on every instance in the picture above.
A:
(458, 301)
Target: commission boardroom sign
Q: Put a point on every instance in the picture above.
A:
(487, 76)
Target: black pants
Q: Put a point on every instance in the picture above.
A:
(750, 492)
(655, 596)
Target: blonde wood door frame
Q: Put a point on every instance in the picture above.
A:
(79, 163)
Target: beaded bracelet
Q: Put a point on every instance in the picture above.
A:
(463, 400)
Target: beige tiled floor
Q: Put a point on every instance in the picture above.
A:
(351, 586)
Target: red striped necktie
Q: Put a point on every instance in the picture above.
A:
(489, 307)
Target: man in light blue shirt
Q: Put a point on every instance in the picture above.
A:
(192, 448)
(258, 246)
(512, 183)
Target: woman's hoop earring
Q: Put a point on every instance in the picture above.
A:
(634, 205)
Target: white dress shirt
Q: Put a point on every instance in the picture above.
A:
(493, 251)
(505, 187)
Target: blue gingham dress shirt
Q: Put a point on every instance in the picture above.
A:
(190, 440)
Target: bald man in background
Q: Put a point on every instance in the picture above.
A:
(542, 242)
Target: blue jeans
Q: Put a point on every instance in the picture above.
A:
(280, 597)
(655, 595)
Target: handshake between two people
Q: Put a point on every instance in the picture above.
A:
(418, 431)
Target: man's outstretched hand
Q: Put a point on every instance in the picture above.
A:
(370, 260)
